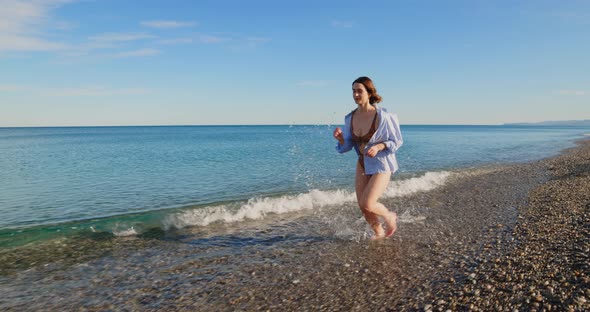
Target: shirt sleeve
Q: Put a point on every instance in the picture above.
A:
(395, 139)
(348, 144)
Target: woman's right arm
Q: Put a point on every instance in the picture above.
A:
(343, 136)
(338, 135)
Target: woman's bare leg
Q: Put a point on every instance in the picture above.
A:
(361, 182)
(374, 188)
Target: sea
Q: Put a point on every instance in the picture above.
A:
(58, 182)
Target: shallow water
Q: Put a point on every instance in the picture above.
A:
(66, 182)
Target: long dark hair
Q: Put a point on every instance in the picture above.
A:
(368, 83)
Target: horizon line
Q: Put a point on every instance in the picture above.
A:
(518, 123)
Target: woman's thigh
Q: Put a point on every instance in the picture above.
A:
(375, 187)
(361, 181)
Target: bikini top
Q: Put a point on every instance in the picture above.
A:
(364, 139)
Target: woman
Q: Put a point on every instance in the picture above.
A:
(375, 135)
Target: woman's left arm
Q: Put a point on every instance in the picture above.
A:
(390, 137)
(394, 135)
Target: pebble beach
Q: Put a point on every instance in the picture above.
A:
(499, 238)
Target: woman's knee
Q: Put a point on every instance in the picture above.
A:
(367, 206)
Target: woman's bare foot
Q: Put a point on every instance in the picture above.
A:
(379, 232)
(391, 224)
(377, 236)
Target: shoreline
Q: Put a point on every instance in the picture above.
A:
(503, 238)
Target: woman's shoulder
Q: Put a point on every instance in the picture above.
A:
(384, 111)
(350, 114)
(387, 117)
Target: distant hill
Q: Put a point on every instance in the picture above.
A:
(579, 123)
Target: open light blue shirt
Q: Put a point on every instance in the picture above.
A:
(387, 132)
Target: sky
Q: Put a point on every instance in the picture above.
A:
(103, 63)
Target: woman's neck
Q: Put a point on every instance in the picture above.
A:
(366, 107)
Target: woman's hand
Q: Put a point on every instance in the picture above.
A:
(338, 135)
(372, 152)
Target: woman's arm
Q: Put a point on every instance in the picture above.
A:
(373, 150)
(388, 138)
(394, 133)
(343, 136)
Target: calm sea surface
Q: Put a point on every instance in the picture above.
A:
(125, 180)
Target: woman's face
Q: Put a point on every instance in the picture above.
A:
(360, 94)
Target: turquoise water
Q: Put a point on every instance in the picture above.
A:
(126, 180)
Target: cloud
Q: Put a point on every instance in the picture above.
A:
(62, 25)
(162, 24)
(86, 91)
(572, 92)
(94, 91)
(116, 40)
(29, 26)
(257, 40)
(212, 39)
(235, 39)
(20, 21)
(176, 41)
(120, 37)
(135, 53)
(23, 25)
(342, 24)
(12, 88)
(24, 43)
(18, 16)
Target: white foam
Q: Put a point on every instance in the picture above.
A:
(427, 182)
(407, 217)
(258, 208)
(127, 232)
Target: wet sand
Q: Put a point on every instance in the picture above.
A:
(514, 237)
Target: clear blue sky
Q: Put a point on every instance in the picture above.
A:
(68, 63)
